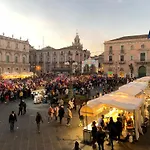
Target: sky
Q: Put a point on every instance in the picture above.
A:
(58, 21)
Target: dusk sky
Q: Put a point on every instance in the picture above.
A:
(57, 20)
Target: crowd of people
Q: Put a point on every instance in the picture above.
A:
(12, 90)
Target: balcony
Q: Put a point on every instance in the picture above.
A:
(108, 62)
(122, 62)
(147, 61)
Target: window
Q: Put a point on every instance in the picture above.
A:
(16, 45)
(142, 57)
(122, 47)
(132, 47)
(131, 57)
(8, 44)
(16, 59)
(122, 58)
(7, 58)
(24, 60)
(110, 58)
(142, 46)
(24, 47)
(110, 50)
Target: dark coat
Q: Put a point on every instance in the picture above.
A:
(61, 112)
(38, 118)
(12, 118)
(100, 136)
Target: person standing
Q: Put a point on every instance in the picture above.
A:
(112, 132)
(119, 128)
(101, 122)
(20, 108)
(21, 95)
(69, 116)
(56, 112)
(94, 132)
(12, 120)
(61, 113)
(100, 136)
(24, 107)
(38, 121)
(50, 113)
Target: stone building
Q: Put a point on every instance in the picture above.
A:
(66, 59)
(128, 55)
(14, 55)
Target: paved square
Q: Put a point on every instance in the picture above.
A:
(53, 136)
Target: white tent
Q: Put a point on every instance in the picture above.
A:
(143, 79)
(92, 108)
(123, 101)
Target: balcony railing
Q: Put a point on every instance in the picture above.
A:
(146, 61)
(122, 62)
(108, 62)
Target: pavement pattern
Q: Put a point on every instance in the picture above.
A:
(53, 136)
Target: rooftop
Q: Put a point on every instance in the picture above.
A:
(144, 36)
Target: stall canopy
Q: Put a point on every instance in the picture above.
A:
(124, 102)
(92, 108)
(133, 88)
(144, 79)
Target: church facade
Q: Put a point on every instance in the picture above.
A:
(66, 59)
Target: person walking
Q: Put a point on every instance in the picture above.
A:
(50, 114)
(100, 136)
(20, 108)
(76, 146)
(24, 107)
(38, 121)
(69, 116)
(61, 113)
(12, 120)
(56, 112)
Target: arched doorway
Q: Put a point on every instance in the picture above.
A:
(92, 69)
(86, 68)
(142, 71)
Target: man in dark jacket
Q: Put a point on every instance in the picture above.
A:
(119, 128)
(112, 132)
(20, 108)
(38, 121)
(100, 136)
(24, 107)
(12, 120)
(61, 113)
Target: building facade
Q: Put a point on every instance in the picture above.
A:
(59, 60)
(14, 55)
(127, 56)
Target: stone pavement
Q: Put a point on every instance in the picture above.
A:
(53, 136)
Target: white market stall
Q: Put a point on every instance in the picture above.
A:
(120, 102)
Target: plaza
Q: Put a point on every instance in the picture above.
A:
(53, 136)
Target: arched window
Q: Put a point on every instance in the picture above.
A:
(7, 58)
(142, 46)
(24, 60)
(16, 59)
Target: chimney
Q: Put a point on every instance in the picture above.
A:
(3, 33)
(12, 35)
(20, 38)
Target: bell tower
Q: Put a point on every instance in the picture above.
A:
(77, 42)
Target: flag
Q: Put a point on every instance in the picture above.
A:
(149, 35)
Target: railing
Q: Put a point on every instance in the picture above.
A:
(138, 61)
(122, 62)
(108, 62)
